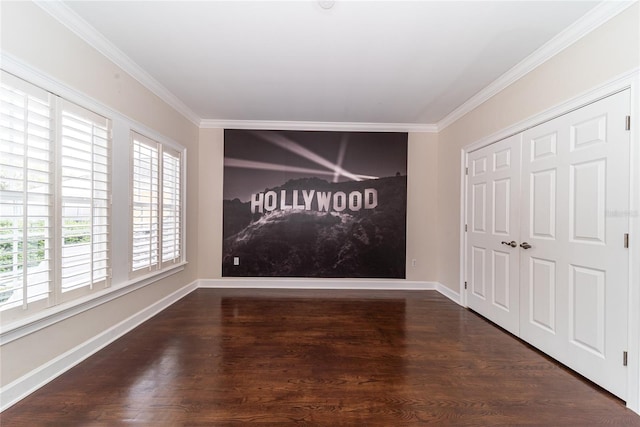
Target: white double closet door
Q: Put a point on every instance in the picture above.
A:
(546, 258)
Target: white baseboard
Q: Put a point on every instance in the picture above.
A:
(449, 293)
(351, 284)
(286, 283)
(28, 383)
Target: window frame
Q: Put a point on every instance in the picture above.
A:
(105, 281)
(16, 327)
(48, 298)
(178, 208)
(75, 143)
(160, 149)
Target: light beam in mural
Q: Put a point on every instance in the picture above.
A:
(341, 151)
(255, 165)
(294, 147)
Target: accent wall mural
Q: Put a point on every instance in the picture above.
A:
(314, 204)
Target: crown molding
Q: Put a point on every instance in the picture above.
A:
(593, 19)
(614, 85)
(25, 71)
(590, 21)
(318, 126)
(70, 19)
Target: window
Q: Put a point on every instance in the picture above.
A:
(54, 188)
(84, 195)
(156, 205)
(171, 206)
(63, 237)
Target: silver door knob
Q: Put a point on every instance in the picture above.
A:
(525, 245)
(512, 243)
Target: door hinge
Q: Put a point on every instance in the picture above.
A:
(626, 240)
(466, 171)
(624, 358)
(465, 227)
(465, 285)
(627, 123)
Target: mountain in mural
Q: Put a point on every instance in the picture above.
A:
(321, 234)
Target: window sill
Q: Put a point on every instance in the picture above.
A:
(53, 315)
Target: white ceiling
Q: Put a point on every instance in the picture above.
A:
(391, 62)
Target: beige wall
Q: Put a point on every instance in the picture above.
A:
(32, 36)
(601, 55)
(422, 220)
(210, 208)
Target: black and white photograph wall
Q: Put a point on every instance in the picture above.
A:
(314, 204)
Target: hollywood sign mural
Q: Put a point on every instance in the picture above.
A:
(314, 204)
(324, 201)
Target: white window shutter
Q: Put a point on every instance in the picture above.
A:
(84, 183)
(171, 207)
(55, 179)
(145, 204)
(26, 192)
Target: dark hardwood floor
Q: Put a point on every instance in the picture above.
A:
(329, 358)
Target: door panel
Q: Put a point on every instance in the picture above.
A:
(478, 277)
(587, 308)
(575, 169)
(494, 183)
(501, 207)
(500, 279)
(479, 207)
(587, 209)
(542, 208)
(542, 294)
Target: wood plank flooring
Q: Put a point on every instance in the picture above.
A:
(326, 358)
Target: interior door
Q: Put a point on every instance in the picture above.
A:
(492, 232)
(574, 276)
